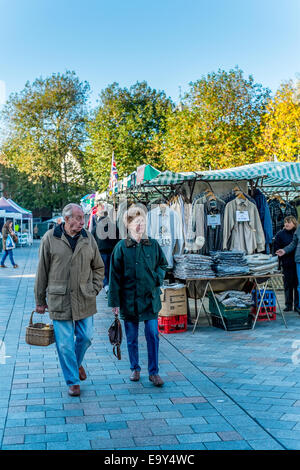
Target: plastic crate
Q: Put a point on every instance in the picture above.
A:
(264, 313)
(227, 312)
(174, 324)
(269, 298)
(233, 324)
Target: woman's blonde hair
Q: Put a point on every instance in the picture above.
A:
(132, 213)
(292, 219)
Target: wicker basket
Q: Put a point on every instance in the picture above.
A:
(39, 334)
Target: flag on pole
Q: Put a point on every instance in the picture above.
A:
(113, 174)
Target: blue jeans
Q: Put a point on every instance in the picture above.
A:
(8, 253)
(152, 338)
(298, 275)
(70, 352)
(106, 260)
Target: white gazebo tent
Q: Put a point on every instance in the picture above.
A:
(19, 215)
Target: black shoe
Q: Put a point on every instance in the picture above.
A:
(297, 309)
(288, 309)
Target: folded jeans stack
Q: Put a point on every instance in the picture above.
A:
(235, 298)
(193, 266)
(261, 264)
(229, 263)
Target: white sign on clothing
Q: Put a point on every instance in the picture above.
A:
(213, 219)
(242, 216)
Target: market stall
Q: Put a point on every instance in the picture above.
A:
(213, 199)
(195, 214)
(22, 220)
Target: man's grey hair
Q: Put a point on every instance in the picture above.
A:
(68, 209)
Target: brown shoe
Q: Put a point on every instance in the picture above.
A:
(74, 391)
(16, 266)
(135, 376)
(82, 373)
(156, 380)
(3, 266)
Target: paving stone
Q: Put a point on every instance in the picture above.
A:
(112, 443)
(155, 440)
(199, 437)
(244, 378)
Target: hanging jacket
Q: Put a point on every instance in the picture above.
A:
(265, 215)
(246, 236)
(290, 209)
(213, 234)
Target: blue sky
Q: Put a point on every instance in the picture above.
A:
(168, 43)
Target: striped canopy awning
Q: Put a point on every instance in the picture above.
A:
(273, 175)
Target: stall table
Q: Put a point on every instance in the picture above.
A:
(266, 279)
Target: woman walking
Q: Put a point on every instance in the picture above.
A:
(283, 238)
(136, 273)
(8, 242)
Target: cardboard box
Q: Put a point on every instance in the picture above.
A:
(174, 302)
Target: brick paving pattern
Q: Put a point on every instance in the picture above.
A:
(223, 390)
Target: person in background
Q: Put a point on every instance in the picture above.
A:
(287, 246)
(137, 270)
(283, 238)
(9, 238)
(106, 235)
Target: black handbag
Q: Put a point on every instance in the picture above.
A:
(115, 337)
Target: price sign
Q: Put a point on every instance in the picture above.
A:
(242, 216)
(213, 220)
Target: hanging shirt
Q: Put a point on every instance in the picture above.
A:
(276, 215)
(166, 227)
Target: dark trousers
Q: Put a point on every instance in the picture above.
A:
(106, 260)
(290, 282)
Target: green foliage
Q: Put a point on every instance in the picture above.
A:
(217, 124)
(130, 123)
(280, 129)
(46, 134)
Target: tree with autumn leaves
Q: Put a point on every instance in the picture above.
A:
(217, 124)
(56, 149)
(42, 151)
(280, 126)
(131, 122)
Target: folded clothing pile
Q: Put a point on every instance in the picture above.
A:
(229, 263)
(235, 298)
(261, 264)
(192, 266)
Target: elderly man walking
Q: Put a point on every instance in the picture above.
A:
(69, 277)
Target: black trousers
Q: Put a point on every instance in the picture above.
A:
(290, 282)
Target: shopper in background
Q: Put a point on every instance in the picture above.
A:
(106, 235)
(9, 238)
(287, 246)
(137, 271)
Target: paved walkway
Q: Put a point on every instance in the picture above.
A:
(223, 390)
